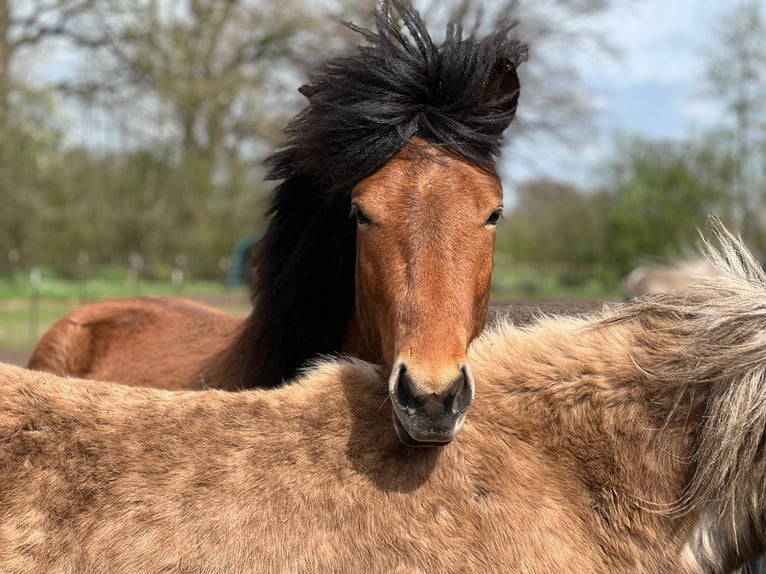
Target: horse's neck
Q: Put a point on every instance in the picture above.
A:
(359, 344)
(240, 364)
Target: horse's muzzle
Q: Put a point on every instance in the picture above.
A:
(429, 418)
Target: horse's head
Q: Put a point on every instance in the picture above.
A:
(425, 238)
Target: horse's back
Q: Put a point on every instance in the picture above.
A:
(142, 341)
(661, 278)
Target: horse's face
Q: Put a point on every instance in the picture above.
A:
(425, 240)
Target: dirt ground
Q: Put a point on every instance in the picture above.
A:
(14, 357)
(522, 312)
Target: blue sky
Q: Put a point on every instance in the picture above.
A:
(651, 89)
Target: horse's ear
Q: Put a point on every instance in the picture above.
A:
(502, 89)
(308, 90)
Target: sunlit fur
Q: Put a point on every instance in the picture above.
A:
(407, 127)
(628, 441)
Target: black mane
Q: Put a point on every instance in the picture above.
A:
(362, 110)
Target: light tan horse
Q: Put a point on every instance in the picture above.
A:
(663, 277)
(380, 241)
(630, 441)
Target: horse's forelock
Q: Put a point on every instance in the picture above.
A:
(364, 108)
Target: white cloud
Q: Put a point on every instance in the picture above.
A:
(702, 113)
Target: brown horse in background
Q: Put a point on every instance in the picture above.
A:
(141, 341)
(630, 441)
(379, 245)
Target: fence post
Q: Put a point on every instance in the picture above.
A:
(35, 279)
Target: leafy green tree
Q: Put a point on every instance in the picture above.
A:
(24, 27)
(735, 76)
(31, 126)
(658, 194)
(28, 162)
(553, 224)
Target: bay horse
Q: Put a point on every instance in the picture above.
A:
(630, 440)
(379, 245)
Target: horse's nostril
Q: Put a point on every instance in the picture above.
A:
(460, 394)
(457, 385)
(454, 399)
(405, 390)
(431, 416)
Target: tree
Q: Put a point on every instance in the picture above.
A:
(31, 129)
(28, 155)
(220, 77)
(735, 75)
(25, 26)
(553, 224)
(659, 194)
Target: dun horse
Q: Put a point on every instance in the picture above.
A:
(380, 241)
(629, 441)
(658, 278)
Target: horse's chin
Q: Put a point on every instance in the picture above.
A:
(406, 439)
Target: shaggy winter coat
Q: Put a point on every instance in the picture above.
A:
(629, 441)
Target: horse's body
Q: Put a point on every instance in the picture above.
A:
(660, 278)
(630, 441)
(131, 341)
(383, 219)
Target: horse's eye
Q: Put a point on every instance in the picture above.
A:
(493, 219)
(361, 218)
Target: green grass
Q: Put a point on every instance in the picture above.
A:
(100, 288)
(21, 322)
